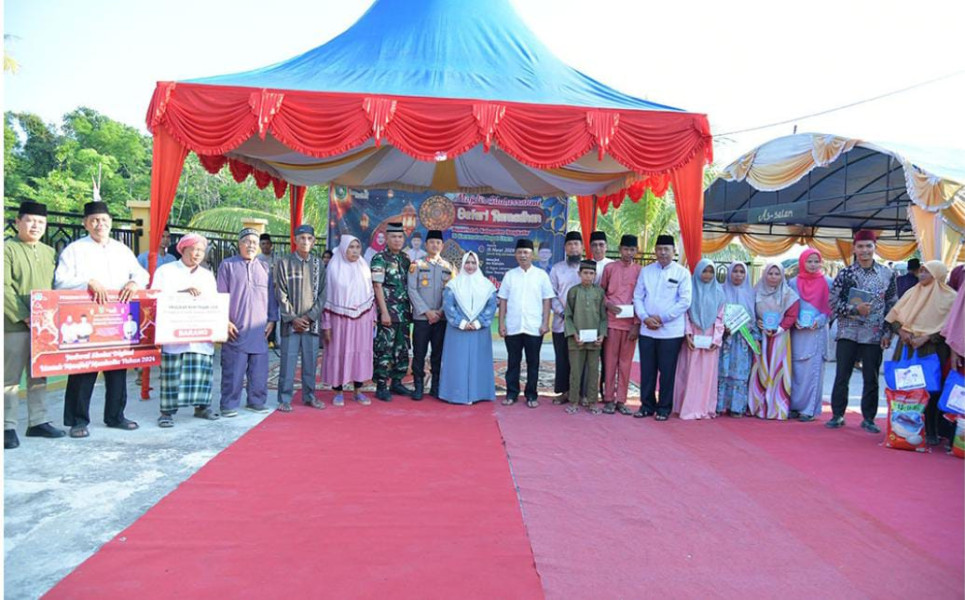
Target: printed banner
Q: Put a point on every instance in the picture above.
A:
(70, 333)
(486, 224)
(182, 318)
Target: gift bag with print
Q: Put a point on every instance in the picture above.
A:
(906, 420)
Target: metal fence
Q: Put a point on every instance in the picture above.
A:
(63, 228)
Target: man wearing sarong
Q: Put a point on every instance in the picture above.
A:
(563, 276)
(390, 270)
(252, 314)
(618, 282)
(186, 369)
(300, 292)
(28, 265)
(97, 263)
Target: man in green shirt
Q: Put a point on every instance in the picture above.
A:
(28, 264)
(585, 326)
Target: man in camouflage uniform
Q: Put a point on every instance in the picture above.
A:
(390, 269)
(428, 276)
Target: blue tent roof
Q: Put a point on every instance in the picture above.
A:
(467, 49)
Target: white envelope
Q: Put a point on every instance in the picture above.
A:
(588, 335)
(626, 311)
(911, 378)
(703, 342)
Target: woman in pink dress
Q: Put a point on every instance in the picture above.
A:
(777, 311)
(695, 395)
(348, 321)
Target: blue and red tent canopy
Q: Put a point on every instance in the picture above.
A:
(438, 94)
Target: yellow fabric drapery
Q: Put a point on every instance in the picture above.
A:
(833, 244)
(936, 210)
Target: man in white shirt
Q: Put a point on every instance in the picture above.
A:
(524, 310)
(598, 248)
(97, 263)
(660, 299)
(563, 276)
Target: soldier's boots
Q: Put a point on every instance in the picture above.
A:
(398, 389)
(382, 392)
(417, 393)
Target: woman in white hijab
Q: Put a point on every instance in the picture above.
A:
(348, 321)
(467, 357)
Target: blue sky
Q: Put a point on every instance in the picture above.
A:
(743, 63)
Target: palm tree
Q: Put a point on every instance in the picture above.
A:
(10, 64)
(230, 219)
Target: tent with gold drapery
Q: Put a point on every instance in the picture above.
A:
(816, 189)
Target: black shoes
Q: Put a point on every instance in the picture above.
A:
(835, 423)
(398, 389)
(417, 393)
(382, 392)
(869, 426)
(45, 430)
(10, 439)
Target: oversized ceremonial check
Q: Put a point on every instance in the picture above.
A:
(182, 318)
(70, 333)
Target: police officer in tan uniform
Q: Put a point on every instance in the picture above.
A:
(427, 278)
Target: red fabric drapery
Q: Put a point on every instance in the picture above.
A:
(168, 160)
(586, 207)
(662, 147)
(688, 186)
(296, 199)
(214, 120)
(689, 200)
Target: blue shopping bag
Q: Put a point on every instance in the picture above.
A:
(953, 396)
(914, 372)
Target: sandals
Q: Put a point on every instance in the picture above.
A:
(509, 401)
(572, 409)
(285, 407)
(204, 412)
(79, 431)
(660, 417)
(533, 403)
(165, 421)
(125, 424)
(594, 410)
(338, 400)
(561, 399)
(315, 403)
(609, 408)
(623, 409)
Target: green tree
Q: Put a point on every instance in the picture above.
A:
(230, 218)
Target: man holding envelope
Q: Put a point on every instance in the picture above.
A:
(661, 297)
(618, 280)
(187, 370)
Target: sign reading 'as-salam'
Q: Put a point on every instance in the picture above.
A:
(779, 213)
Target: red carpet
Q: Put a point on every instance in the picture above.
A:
(389, 501)
(622, 508)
